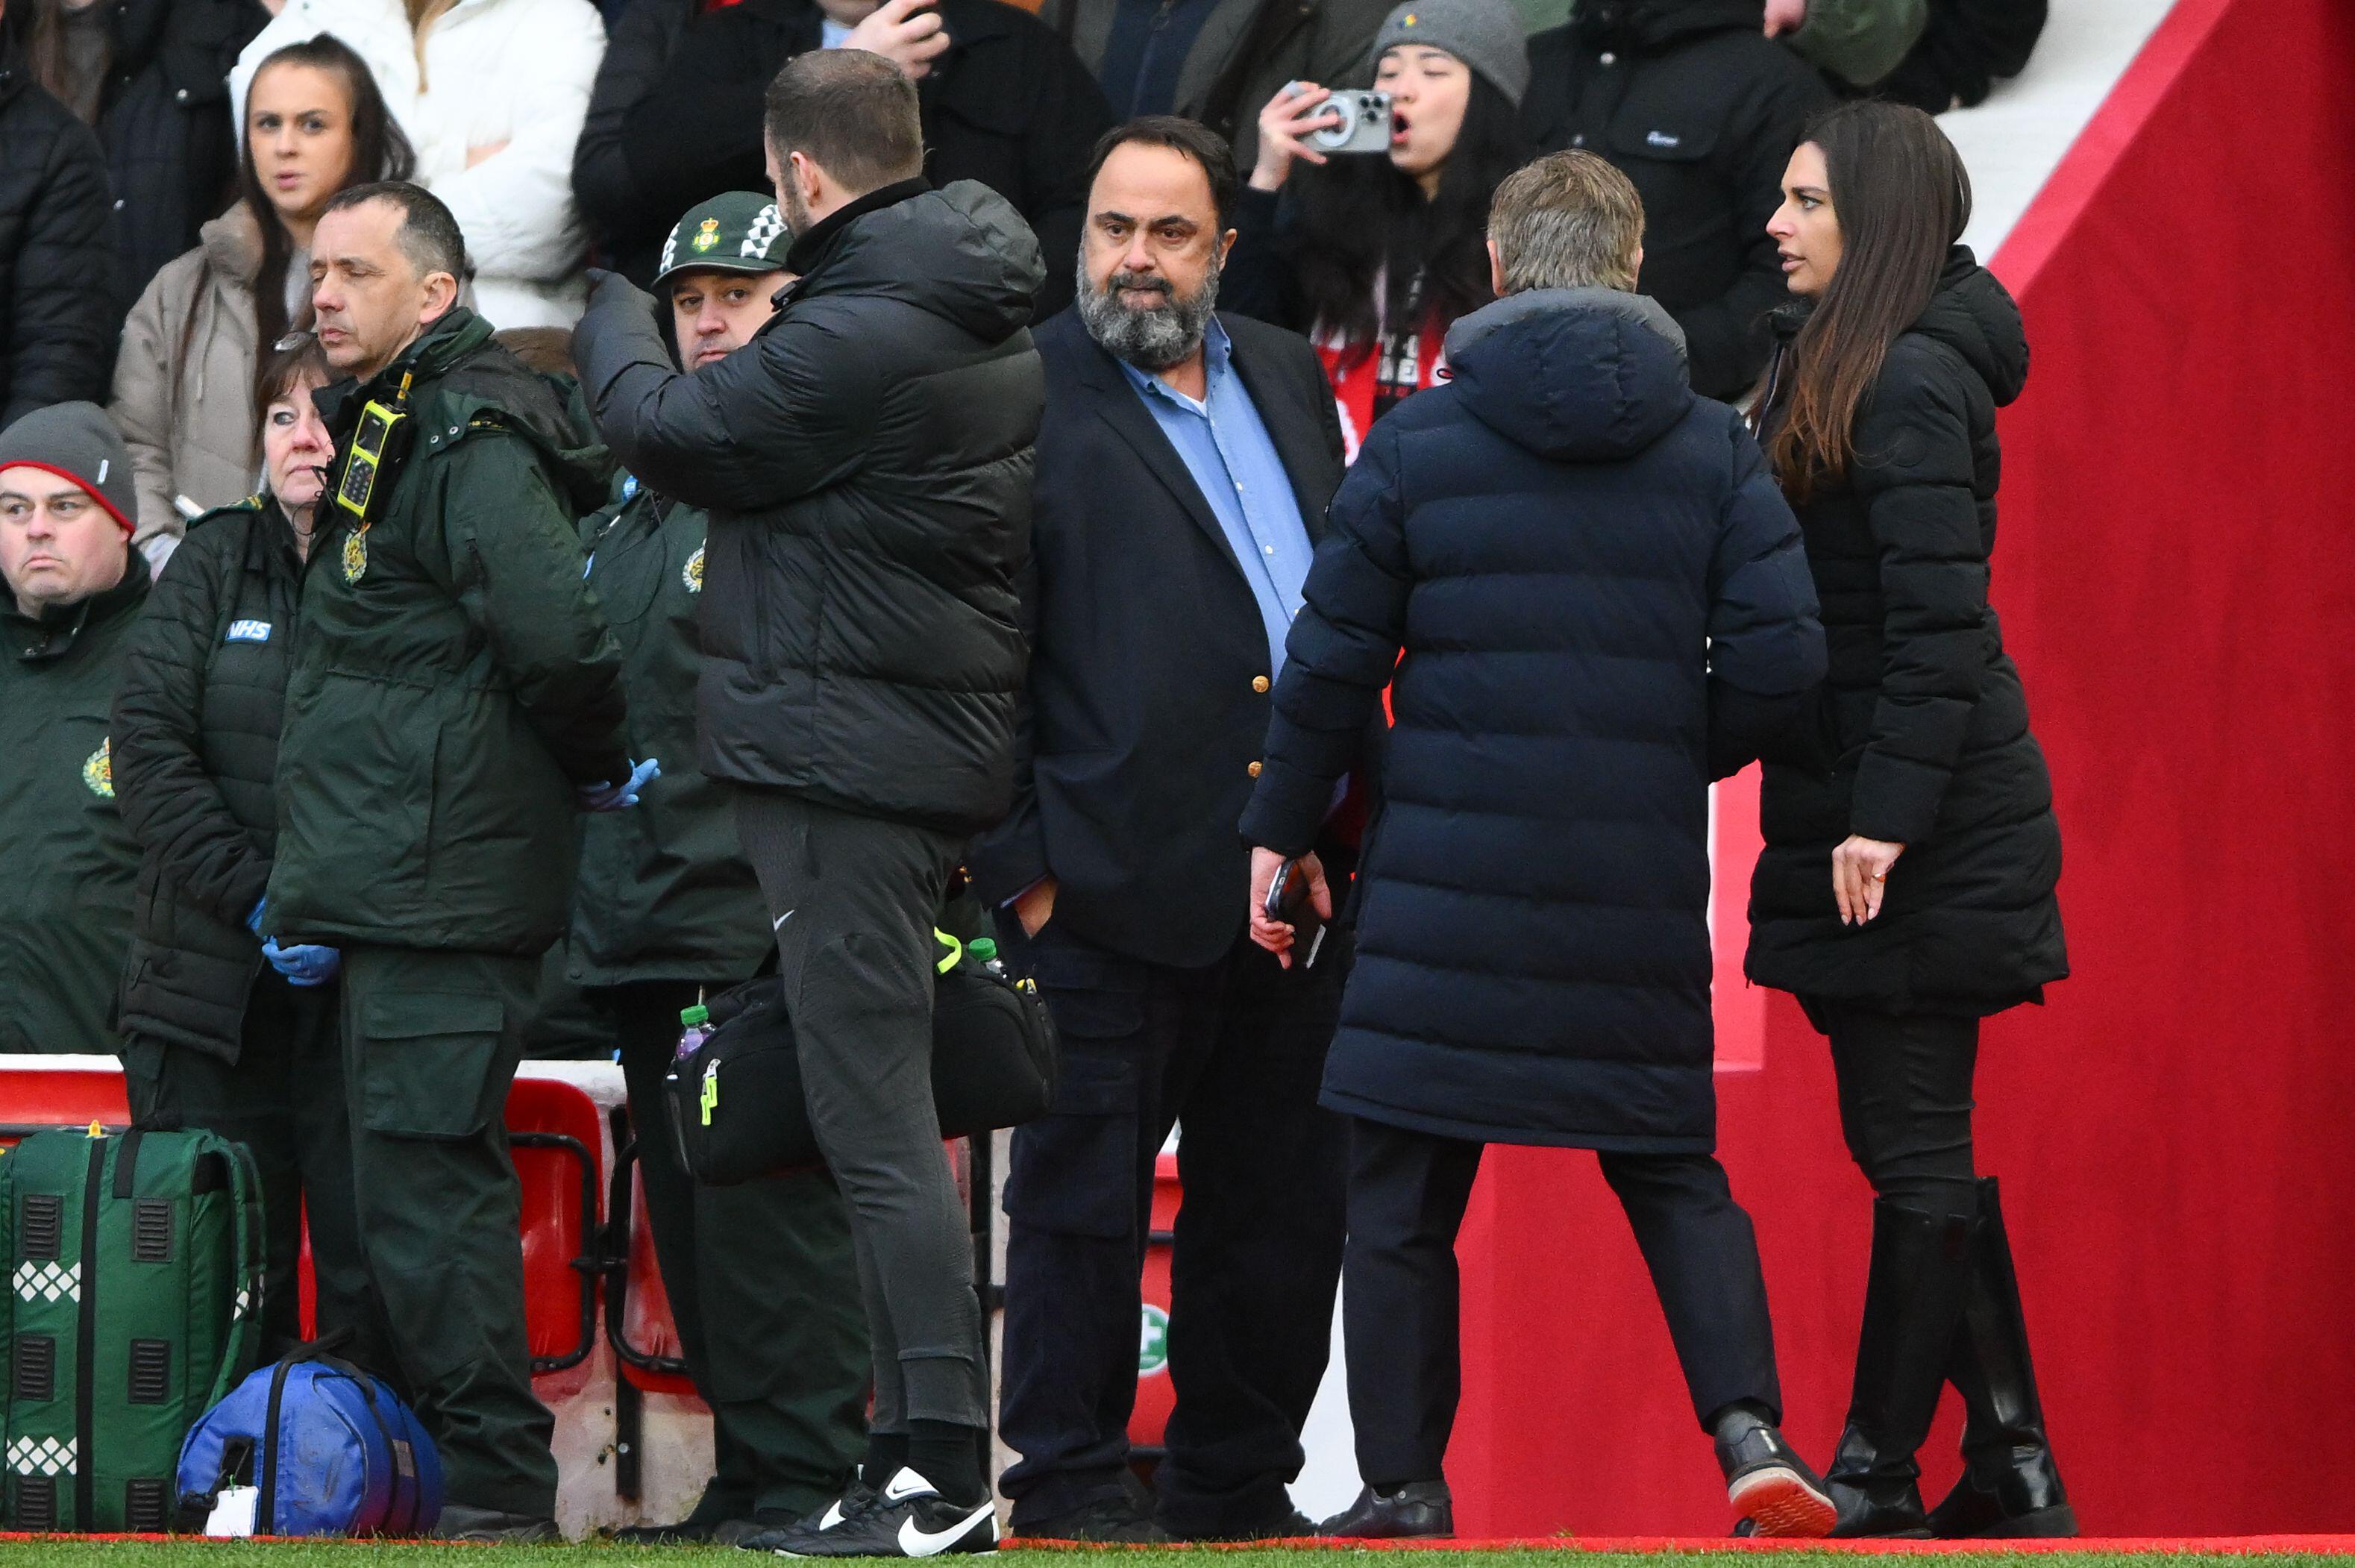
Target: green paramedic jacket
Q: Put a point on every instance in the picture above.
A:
(453, 677)
(72, 864)
(665, 891)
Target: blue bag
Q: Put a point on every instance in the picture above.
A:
(333, 1452)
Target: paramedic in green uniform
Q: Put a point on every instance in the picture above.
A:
(455, 696)
(762, 1283)
(76, 587)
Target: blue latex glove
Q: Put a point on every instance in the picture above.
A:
(253, 921)
(305, 964)
(614, 796)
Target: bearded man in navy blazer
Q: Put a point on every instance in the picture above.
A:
(1184, 464)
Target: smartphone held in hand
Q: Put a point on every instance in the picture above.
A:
(1288, 903)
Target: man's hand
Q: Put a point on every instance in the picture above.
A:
(1861, 876)
(610, 796)
(305, 963)
(1036, 907)
(907, 33)
(1275, 935)
(1786, 16)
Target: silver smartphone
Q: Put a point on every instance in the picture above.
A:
(1361, 123)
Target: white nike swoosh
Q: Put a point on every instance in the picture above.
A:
(781, 920)
(917, 1542)
(832, 1517)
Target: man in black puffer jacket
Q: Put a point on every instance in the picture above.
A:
(1695, 104)
(866, 460)
(1602, 605)
(58, 309)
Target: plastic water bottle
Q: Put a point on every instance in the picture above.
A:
(983, 951)
(696, 1027)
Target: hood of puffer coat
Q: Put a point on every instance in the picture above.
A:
(1582, 375)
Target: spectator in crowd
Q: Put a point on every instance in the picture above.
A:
(221, 1030)
(1214, 60)
(316, 124)
(453, 695)
(876, 438)
(1374, 257)
(76, 589)
(146, 75)
(491, 94)
(665, 906)
(1602, 605)
(677, 116)
(1184, 465)
(1907, 886)
(58, 304)
(1701, 110)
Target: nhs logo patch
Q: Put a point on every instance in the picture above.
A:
(247, 631)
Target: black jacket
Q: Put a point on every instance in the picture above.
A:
(665, 891)
(72, 859)
(59, 306)
(866, 461)
(675, 119)
(195, 748)
(1596, 583)
(1697, 107)
(1924, 728)
(1965, 47)
(167, 125)
(1150, 681)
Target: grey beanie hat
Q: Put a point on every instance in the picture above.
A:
(1486, 34)
(77, 441)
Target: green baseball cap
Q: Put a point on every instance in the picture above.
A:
(737, 232)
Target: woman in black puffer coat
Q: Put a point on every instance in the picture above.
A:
(1906, 889)
(219, 1030)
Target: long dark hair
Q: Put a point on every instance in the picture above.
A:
(1359, 215)
(379, 151)
(38, 27)
(1902, 198)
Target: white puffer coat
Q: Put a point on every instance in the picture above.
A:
(511, 71)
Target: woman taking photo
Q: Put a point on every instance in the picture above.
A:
(1374, 256)
(1906, 889)
(314, 125)
(221, 1029)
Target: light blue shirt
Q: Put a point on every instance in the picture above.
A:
(1233, 461)
(831, 34)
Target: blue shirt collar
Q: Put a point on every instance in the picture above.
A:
(1216, 355)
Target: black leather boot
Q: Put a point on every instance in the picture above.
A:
(2010, 1487)
(1913, 1299)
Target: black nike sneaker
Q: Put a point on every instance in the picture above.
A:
(909, 1518)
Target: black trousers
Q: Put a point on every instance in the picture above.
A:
(1905, 1102)
(1235, 1052)
(1400, 1290)
(853, 900)
(764, 1288)
(283, 1099)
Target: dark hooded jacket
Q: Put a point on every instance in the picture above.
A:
(1923, 734)
(866, 461)
(454, 681)
(58, 310)
(1602, 603)
(1701, 110)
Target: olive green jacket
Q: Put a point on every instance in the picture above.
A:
(664, 893)
(454, 679)
(65, 924)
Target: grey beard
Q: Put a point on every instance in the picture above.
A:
(1153, 338)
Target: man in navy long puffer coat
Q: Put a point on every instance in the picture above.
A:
(1603, 604)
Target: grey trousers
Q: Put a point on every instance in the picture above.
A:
(853, 900)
